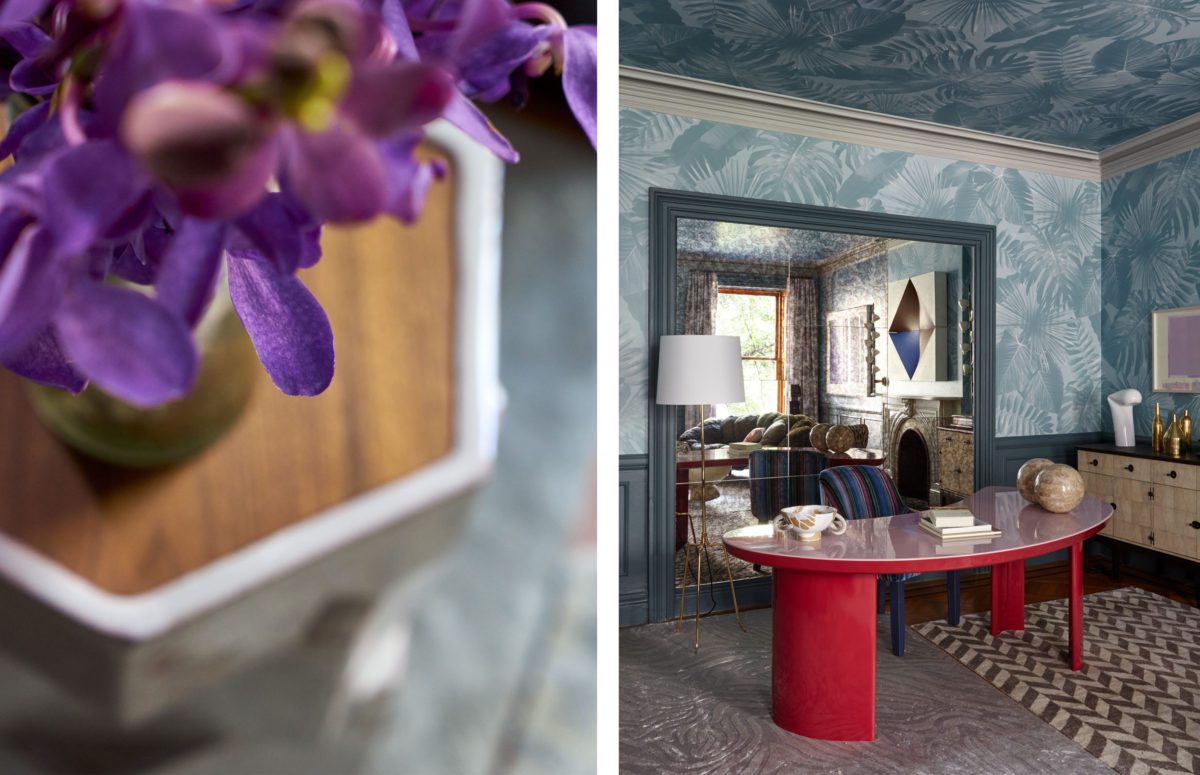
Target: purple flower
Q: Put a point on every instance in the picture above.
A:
(159, 147)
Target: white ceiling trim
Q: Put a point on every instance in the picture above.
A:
(1156, 145)
(695, 98)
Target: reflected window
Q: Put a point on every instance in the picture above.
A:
(756, 315)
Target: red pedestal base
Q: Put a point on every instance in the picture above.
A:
(823, 661)
(1008, 596)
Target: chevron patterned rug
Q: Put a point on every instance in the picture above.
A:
(1135, 706)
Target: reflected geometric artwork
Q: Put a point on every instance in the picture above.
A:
(917, 328)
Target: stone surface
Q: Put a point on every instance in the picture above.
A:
(1027, 474)
(1059, 488)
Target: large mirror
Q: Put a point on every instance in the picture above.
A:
(855, 350)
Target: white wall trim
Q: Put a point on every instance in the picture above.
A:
(1156, 145)
(695, 98)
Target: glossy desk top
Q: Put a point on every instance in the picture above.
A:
(897, 544)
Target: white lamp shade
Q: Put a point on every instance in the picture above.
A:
(700, 369)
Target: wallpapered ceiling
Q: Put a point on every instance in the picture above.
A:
(1048, 248)
(1082, 73)
(798, 248)
(1151, 260)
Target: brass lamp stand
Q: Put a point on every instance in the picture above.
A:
(701, 546)
(698, 370)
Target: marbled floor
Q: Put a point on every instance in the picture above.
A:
(710, 712)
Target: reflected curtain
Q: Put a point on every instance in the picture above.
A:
(699, 317)
(801, 338)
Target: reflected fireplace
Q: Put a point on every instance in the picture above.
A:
(912, 466)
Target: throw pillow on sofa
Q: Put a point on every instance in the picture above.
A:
(754, 436)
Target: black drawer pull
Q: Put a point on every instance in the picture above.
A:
(1114, 506)
(1172, 474)
(958, 470)
(1094, 462)
(1150, 494)
(1194, 525)
(1150, 538)
(1129, 468)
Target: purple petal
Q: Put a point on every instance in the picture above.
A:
(127, 343)
(484, 72)
(22, 126)
(44, 362)
(127, 266)
(479, 21)
(31, 286)
(579, 77)
(395, 21)
(469, 119)
(405, 95)
(410, 179)
(188, 275)
(287, 325)
(20, 10)
(337, 175)
(91, 187)
(237, 194)
(280, 231)
(26, 39)
(157, 42)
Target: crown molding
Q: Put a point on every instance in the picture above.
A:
(1158, 144)
(695, 98)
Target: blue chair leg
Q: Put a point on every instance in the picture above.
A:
(880, 596)
(898, 618)
(952, 598)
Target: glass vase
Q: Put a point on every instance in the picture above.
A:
(107, 428)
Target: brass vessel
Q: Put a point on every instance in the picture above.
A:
(1156, 431)
(1185, 430)
(1173, 440)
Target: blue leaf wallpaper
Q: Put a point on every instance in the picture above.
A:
(1151, 260)
(1081, 73)
(1048, 248)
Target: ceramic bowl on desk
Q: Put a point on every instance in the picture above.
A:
(807, 523)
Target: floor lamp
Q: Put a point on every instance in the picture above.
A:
(698, 370)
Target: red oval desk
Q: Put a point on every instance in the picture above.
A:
(823, 619)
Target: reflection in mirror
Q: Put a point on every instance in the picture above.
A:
(855, 351)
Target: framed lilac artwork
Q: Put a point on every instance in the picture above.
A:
(1176, 349)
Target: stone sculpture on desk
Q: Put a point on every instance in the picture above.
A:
(1058, 488)
(1027, 476)
(1121, 404)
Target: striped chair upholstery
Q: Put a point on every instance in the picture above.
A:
(866, 492)
(783, 477)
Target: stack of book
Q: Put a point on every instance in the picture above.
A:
(954, 524)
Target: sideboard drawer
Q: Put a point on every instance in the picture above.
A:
(1095, 463)
(1172, 474)
(1127, 467)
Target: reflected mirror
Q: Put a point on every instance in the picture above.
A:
(855, 350)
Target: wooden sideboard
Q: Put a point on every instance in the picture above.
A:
(1155, 497)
